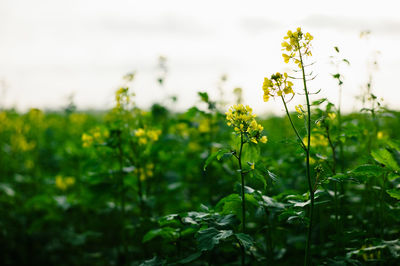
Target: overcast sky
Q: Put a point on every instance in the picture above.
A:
(50, 49)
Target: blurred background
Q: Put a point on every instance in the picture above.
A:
(51, 50)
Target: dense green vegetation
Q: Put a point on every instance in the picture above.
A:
(201, 187)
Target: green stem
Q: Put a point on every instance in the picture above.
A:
(122, 195)
(291, 123)
(243, 195)
(307, 259)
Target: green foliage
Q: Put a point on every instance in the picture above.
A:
(384, 157)
(157, 187)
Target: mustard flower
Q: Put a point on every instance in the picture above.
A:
(241, 118)
(300, 110)
(277, 85)
(295, 42)
(147, 136)
(63, 183)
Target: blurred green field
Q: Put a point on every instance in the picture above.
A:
(78, 188)
(206, 186)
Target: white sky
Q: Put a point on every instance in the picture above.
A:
(52, 48)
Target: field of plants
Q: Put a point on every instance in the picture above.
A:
(212, 185)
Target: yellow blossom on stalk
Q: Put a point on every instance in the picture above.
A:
(140, 132)
(146, 136)
(95, 136)
(295, 42)
(153, 134)
(332, 116)
(87, 140)
(382, 135)
(123, 97)
(242, 120)
(63, 183)
(20, 143)
(277, 85)
(300, 110)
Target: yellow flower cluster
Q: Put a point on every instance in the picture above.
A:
(240, 117)
(277, 85)
(20, 143)
(96, 136)
(64, 182)
(296, 42)
(122, 97)
(146, 136)
(145, 172)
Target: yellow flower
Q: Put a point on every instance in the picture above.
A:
(286, 58)
(252, 166)
(64, 183)
(143, 141)
(381, 135)
(96, 135)
(146, 136)
(264, 139)
(122, 97)
(299, 109)
(140, 132)
(277, 85)
(332, 116)
(243, 121)
(296, 42)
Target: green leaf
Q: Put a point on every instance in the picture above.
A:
(270, 202)
(230, 204)
(251, 152)
(167, 233)
(245, 240)
(369, 169)
(394, 193)
(203, 96)
(226, 220)
(172, 219)
(210, 237)
(251, 199)
(393, 176)
(336, 49)
(384, 157)
(190, 258)
(318, 102)
(257, 179)
(216, 155)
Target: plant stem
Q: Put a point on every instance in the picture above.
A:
(333, 148)
(242, 177)
(291, 122)
(307, 259)
(122, 195)
(243, 196)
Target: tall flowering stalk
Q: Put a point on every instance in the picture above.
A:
(242, 119)
(297, 46)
